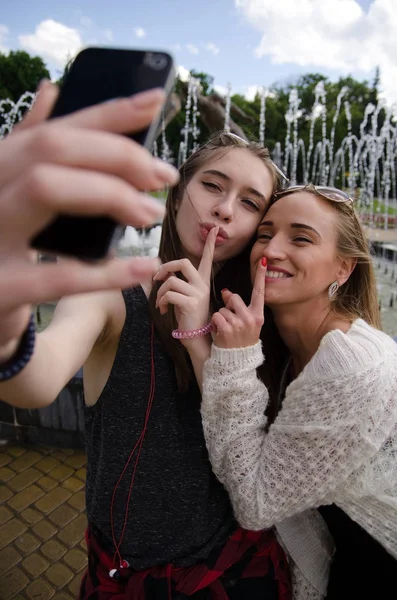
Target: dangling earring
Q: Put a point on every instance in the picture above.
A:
(333, 288)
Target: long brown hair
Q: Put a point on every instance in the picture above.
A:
(357, 298)
(234, 274)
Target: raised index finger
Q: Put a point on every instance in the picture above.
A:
(258, 292)
(205, 266)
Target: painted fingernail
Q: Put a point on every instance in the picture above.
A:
(165, 172)
(224, 290)
(144, 99)
(264, 261)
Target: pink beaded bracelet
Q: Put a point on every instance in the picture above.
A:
(179, 334)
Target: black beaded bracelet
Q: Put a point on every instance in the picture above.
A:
(23, 354)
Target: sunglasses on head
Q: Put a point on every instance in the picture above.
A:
(284, 179)
(329, 193)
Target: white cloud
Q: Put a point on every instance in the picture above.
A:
(252, 91)
(332, 34)
(211, 47)
(3, 37)
(140, 32)
(221, 90)
(183, 73)
(192, 49)
(53, 41)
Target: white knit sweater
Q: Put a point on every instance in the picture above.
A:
(334, 440)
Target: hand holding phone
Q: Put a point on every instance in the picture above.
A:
(78, 164)
(97, 75)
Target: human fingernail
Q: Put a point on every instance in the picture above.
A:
(147, 98)
(153, 206)
(224, 290)
(264, 261)
(166, 172)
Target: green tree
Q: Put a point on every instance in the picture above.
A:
(207, 81)
(19, 73)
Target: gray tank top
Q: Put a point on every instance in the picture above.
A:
(178, 510)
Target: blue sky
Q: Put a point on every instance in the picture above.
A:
(245, 42)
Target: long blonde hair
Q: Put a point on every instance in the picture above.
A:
(358, 297)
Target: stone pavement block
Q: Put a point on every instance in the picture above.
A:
(25, 498)
(63, 515)
(10, 531)
(12, 582)
(45, 530)
(47, 483)
(63, 596)
(70, 451)
(81, 473)
(39, 590)
(59, 455)
(72, 533)
(25, 461)
(59, 575)
(6, 474)
(31, 516)
(5, 459)
(15, 451)
(47, 463)
(61, 472)
(27, 543)
(78, 501)
(76, 559)
(34, 565)
(74, 586)
(52, 500)
(76, 461)
(5, 493)
(53, 550)
(9, 557)
(5, 515)
(23, 480)
(72, 484)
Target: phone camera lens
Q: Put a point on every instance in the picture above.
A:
(156, 61)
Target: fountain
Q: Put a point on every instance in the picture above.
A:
(363, 164)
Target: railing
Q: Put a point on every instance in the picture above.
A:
(60, 424)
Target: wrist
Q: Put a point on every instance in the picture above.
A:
(8, 350)
(189, 334)
(14, 364)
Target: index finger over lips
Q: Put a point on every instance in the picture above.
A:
(205, 267)
(258, 290)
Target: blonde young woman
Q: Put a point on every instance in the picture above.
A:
(326, 435)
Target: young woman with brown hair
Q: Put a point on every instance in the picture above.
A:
(160, 525)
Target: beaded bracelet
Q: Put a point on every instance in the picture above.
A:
(179, 334)
(23, 354)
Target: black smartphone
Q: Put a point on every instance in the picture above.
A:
(97, 75)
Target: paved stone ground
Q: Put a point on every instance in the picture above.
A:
(42, 523)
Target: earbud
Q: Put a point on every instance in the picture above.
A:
(114, 574)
